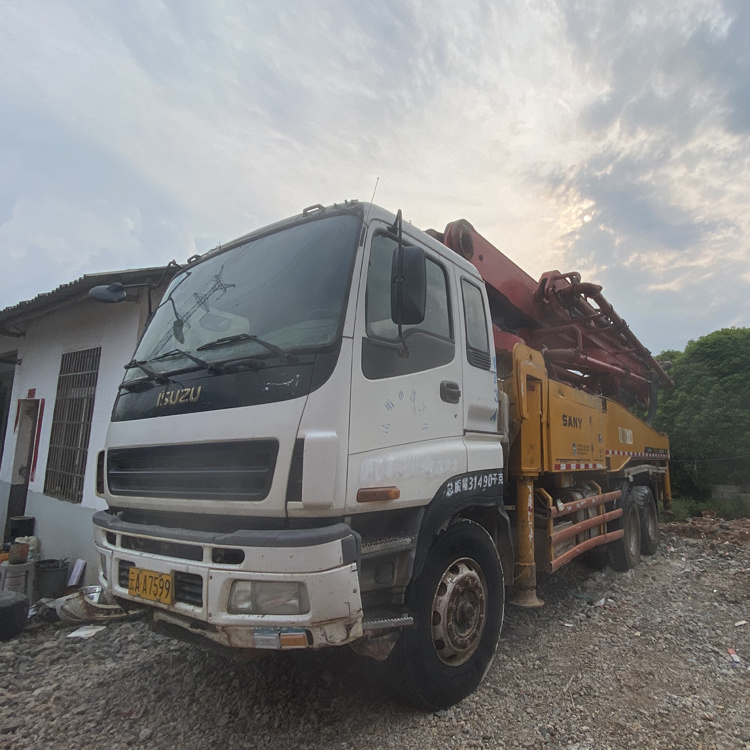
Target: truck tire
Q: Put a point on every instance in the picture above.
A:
(649, 519)
(14, 613)
(625, 553)
(457, 603)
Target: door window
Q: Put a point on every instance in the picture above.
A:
(427, 344)
(477, 342)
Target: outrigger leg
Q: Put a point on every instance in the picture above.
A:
(525, 582)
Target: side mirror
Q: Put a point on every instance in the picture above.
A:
(408, 285)
(115, 292)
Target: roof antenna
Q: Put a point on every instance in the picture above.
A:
(377, 180)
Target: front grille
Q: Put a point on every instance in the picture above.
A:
(188, 587)
(122, 573)
(162, 548)
(210, 471)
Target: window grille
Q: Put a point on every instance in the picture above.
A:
(71, 425)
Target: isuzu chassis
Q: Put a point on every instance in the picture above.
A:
(340, 429)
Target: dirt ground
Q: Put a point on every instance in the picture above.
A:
(658, 657)
(712, 528)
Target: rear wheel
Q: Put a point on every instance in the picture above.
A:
(457, 603)
(649, 519)
(625, 553)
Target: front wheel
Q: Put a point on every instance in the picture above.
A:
(457, 603)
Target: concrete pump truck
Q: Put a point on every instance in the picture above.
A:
(339, 429)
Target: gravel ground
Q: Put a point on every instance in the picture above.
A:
(646, 668)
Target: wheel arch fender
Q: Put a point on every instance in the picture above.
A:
(651, 478)
(637, 487)
(489, 513)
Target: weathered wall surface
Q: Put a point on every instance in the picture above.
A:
(729, 492)
(63, 527)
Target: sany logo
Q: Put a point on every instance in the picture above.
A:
(575, 422)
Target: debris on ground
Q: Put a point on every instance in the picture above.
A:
(89, 604)
(650, 670)
(714, 528)
(87, 631)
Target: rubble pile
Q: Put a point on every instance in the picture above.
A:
(658, 657)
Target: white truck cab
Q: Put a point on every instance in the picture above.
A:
(305, 452)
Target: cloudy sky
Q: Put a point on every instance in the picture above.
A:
(608, 138)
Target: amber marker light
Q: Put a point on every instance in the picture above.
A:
(378, 494)
(293, 640)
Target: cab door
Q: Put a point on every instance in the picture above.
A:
(406, 427)
(480, 404)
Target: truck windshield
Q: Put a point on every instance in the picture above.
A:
(266, 301)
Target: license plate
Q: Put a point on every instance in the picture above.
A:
(147, 584)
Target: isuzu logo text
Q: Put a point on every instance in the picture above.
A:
(179, 396)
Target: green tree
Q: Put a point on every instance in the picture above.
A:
(707, 413)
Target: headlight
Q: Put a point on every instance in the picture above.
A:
(268, 598)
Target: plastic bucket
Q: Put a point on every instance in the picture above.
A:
(18, 578)
(18, 554)
(15, 577)
(21, 526)
(51, 578)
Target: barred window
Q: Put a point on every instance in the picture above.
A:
(71, 425)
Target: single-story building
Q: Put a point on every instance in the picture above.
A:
(61, 360)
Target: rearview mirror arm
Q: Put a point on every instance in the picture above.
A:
(115, 289)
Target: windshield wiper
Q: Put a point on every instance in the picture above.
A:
(214, 368)
(181, 353)
(143, 384)
(138, 386)
(229, 340)
(231, 366)
(157, 377)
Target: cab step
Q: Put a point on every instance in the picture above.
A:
(402, 621)
(375, 547)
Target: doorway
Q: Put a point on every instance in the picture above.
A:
(24, 459)
(8, 362)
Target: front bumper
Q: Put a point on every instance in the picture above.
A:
(324, 560)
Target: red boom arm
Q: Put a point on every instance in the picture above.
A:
(584, 341)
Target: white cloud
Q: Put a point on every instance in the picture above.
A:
(51, 242)
(205, 121)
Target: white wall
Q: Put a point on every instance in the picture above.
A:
(65, 528)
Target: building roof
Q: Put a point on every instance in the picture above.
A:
(75, 291)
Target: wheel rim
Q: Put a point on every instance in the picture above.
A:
(651, 522)
(459, 612)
